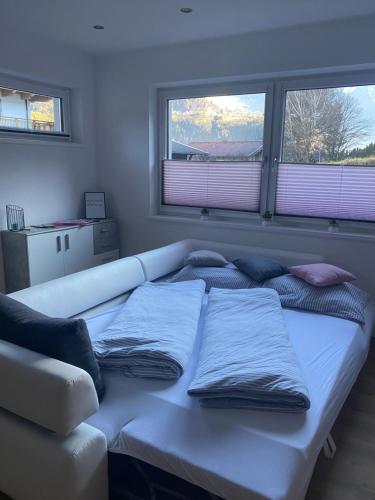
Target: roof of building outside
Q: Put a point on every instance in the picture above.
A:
(185, 149)
(229, 148)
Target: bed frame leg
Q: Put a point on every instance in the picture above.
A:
(329, 447)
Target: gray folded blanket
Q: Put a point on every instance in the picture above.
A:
(246, 358)
(154, 333)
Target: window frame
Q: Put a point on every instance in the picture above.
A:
(275, 87)
(46, 90)
(282, 86)
(185, 92)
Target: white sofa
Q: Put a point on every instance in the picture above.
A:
(47, 451)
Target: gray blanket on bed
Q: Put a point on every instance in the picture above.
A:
(246, 358)
(154, 333)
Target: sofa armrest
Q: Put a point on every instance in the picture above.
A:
(36, 464)
(48, 392)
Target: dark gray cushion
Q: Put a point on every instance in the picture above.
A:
(343, 301)
(260, 268)
(216, 277)
(63, 339)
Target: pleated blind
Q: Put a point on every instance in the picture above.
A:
(221, 184)
(330, 191)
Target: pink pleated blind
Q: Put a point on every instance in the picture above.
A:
(330, 191)
(221, 184)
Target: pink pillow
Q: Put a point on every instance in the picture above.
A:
(322, 274)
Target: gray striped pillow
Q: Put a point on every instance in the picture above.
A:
(343, 301)
(216, 277)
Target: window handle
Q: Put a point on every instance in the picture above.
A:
(67, 242)
(275, 164)
(58, 244)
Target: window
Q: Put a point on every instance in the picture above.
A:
(328, 154)
(215, 146)
(33, 110)
(214, 152)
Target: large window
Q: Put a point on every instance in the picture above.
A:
(285, 148)
(328, 154)
(27, 109)
(214, 152)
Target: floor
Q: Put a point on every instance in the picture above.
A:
(351, 474)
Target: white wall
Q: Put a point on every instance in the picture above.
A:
(123, 90)
(48, 181)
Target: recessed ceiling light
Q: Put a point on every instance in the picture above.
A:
(186, 10)
(98, 27)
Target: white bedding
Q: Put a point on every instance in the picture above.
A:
(237, 454)
(153, 334)
(246, 360)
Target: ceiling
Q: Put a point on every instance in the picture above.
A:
(133, 24)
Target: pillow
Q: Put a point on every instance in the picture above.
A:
(63, 339)
(260, 268)
(344, 301)
(216, 277)
(322, 274)
(205, 258)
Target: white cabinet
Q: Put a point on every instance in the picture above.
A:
(56, 254)
(46, 258)
(36, 256)
(78, 249)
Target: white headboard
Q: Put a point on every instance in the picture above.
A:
(73, 294)
(164, 260)
(76, 293)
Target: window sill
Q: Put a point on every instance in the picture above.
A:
(22, 141)
(318, 230)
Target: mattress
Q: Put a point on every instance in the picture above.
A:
(237, 454)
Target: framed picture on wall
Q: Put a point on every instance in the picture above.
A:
(95, 205)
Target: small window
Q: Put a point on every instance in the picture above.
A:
(327, 164)
(25, 110)
(214, 152)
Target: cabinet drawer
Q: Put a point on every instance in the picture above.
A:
(105, 238)
(104, 258)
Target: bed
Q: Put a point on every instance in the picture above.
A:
(234, 453)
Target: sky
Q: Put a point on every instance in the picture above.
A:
(363, 94)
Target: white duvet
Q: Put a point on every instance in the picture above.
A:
(154, 333)
(246, 358)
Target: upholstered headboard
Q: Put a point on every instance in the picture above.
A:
(76, 293)
(73, 294)
(164, 260)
